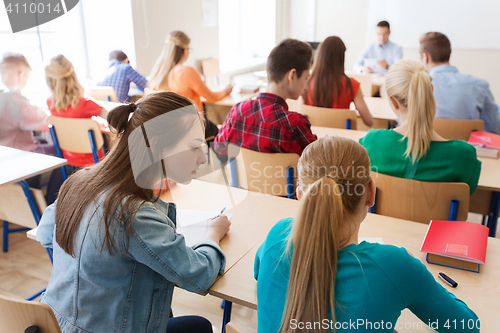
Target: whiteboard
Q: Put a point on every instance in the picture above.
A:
(469, 24)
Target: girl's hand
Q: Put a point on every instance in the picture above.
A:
(217, 228)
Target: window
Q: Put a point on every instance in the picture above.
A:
(247, 32)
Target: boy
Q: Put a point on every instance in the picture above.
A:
(265, 124)
(19, 116)
(458, 96)
(120, 74)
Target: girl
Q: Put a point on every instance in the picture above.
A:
(312, 269)
(169, 73)
(414, 150)
(329, 87)
(67, 101)
(117, 255)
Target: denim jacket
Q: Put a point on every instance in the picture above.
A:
(131, 289)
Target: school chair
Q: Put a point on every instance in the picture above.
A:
(420, 201)
(327, 117)
(23, 206)
(17, 315)
(231, 328)
(457, 129)
(269, 173)
(99, 93)
(77, 135)
(365, 81)
(211, 70)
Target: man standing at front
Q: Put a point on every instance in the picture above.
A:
(383, 50)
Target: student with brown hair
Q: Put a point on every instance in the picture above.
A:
(458, 96)
(117, 255)
(414, 150)
(329, 86)
(265, 124)
(313, 275)
(67, 101)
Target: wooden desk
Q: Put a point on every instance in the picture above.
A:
(481, 291)
(217, 111)
(380, 108)
(483, 201)
(16, 165)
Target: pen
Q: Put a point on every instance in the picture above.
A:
(449, 281)
(222, 211)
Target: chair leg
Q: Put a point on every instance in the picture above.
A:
(5, 236)
(226, 318)
(35, 295)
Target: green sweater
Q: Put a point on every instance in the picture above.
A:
(374, 283)
(445, 161)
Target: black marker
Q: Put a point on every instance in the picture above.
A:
(448, 280)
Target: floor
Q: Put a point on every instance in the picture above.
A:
(26, 268)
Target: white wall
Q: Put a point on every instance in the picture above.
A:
(154, 19)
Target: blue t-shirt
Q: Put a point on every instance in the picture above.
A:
(374, 283)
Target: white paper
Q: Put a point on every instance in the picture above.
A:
(193, 224)
(376, 68)
(209, 13)
(371, 240)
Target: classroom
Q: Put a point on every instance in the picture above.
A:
(249, 166)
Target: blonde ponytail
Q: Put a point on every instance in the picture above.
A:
(172, 52)
(63, 83)
(409, 82)
(333, 174)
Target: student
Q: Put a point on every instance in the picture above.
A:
(312, 264)
(19, 118)
(170, 74)
(458, 96)
(67, 101)
(265, 124)
(120, 74)
(414, 150)
(117, 255)
(328, 85)
(383, 49)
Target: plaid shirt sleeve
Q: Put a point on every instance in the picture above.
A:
(302, 132)
(222, 138)
(139, 80)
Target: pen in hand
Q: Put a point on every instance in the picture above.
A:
(221, 212)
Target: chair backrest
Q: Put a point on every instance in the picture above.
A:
(365, 83)
(231, 328)
(210, 67)
(99, 93)
(293, 104)
(72, 134)
(458, 129)
(15, 208)
(419, 201)
(17, 315)
(326, 117)
(262, 172)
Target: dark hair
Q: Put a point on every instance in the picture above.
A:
(115, 174)
(289, 54)
(328, 73)
(118, 55)
(436, 45)
(384, 24)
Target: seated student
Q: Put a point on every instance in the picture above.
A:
(117, 255)
(120, 74)
(383, 49)
(170, 74)
(265, 124)
(414, 150)
(312, 269)
(67, 101)
(458, 96)
(19, 118)
(328, 85)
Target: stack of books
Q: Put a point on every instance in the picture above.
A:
(487, 144)
(456, 244)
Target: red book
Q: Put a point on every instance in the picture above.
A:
(456, 244)
(485, 139)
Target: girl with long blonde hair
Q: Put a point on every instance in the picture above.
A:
(313, 275)
(67, 101)
(414, 150)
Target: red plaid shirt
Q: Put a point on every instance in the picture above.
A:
(265, 125)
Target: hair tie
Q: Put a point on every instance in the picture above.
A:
(132, 107)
